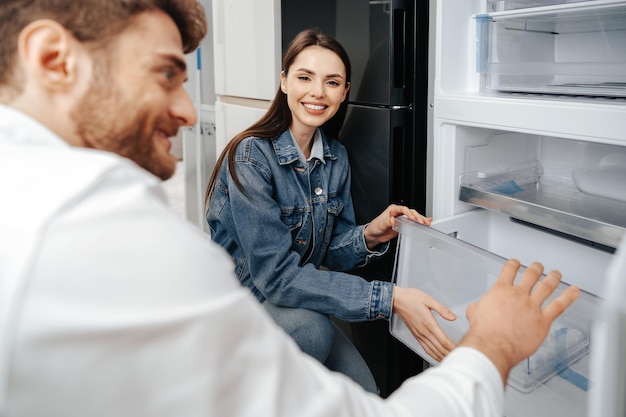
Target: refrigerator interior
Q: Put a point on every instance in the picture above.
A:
(535, 198)
(574, 188)
(528, 161)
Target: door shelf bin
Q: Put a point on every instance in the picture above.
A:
(503, 5)
(457, 274)
(572, 49)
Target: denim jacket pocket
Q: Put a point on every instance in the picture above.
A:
(334, 208)
(293, 218)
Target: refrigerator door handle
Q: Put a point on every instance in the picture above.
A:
(401, 49)
(402, 153)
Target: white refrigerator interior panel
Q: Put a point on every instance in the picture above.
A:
(455, 36)
(580, 265)
(231, 119)
(608, 368)
(247, 47)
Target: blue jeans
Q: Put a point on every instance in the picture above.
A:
(319, 337)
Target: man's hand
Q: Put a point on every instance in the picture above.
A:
(508, 323)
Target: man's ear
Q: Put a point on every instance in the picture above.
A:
(47, 51)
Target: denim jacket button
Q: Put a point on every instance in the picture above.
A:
(318, 191)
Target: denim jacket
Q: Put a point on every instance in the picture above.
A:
(293, 219)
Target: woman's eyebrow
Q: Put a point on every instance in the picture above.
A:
(308, 71)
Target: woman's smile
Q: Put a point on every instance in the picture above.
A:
(315, 108)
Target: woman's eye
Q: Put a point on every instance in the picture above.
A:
(333, 83)
(303, 78)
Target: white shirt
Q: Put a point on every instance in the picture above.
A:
(112, 305)
(317, 149)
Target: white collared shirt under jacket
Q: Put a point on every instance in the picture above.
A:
(113, 305)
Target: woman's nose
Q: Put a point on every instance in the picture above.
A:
(317, 89)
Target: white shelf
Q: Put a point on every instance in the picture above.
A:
(594, 120)
(543, 7)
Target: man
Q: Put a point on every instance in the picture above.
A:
(109, 303)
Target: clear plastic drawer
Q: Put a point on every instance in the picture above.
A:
(457, 274)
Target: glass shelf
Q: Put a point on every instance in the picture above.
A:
(594, 219)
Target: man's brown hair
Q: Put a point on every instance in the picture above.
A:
(91, 21)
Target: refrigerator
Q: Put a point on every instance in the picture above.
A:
(528, 161)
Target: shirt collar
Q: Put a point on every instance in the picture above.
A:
(18, 127)
(317, 150)
(287, 150)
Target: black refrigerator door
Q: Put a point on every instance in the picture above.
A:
(384, 132)
(378, 36)
(382, 151)
(388, 166)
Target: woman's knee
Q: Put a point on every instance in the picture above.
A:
(312, 331)
(313, 326)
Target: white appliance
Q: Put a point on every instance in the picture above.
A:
(528, 161)
(608, 368)
(248, 57)
(199, 142)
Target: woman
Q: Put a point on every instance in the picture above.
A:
(279, 202)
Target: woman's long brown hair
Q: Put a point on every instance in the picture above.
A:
(278, 116)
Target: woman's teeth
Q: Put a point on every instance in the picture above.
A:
(314, 107)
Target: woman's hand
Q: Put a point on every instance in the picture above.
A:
(380, 230)
(414, 308)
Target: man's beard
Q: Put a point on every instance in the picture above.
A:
(102, 122)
